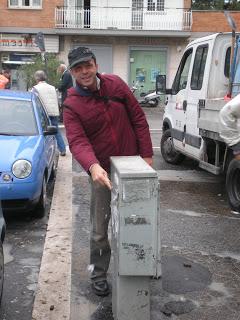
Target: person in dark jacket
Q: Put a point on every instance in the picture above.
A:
(65, 83)
(102, 119)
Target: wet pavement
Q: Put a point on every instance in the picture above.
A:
(200, 251)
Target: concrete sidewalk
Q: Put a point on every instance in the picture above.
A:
(52, 298)
(199, 282)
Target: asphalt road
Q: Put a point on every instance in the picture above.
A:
(23, 248)
(199, 246)
(198, 229)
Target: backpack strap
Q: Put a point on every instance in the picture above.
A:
(107, 98)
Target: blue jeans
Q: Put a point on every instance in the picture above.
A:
(59, 138)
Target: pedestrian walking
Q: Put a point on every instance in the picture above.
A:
(65, 84)
(102, 119)
(48, 95)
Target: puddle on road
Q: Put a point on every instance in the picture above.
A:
(180, 275)
(178, 307)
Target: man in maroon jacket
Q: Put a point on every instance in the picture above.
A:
(102, 119)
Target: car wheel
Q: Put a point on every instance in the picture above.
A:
(1, 271)
(40, 209)
(53, 172)
(233, 184)
(168, 151)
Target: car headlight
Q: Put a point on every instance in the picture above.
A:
(21, 169)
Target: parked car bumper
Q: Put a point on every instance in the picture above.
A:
(19, 196)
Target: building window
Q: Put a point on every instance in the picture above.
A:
(25, 4)
(155, 5)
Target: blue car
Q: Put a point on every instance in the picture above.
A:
(27, 151)
(2, 236)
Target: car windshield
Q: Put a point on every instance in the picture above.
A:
(17, 118)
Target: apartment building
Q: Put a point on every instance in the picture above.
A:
(205, 22)
(135, 39)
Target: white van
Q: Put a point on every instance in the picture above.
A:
(191, 117)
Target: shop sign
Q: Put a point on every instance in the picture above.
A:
(17, 42)
(26, 43)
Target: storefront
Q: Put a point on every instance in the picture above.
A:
(145, 65)
(18, 49)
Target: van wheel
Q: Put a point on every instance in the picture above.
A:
(233, 184)
(168, 151)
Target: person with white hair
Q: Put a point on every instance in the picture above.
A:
(48, 96)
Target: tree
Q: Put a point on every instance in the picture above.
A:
(232, 5)
(208, 4)
(50, 66)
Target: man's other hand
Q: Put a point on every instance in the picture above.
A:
(149, 161)
(100, 175)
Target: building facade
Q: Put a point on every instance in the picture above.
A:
(136, 39)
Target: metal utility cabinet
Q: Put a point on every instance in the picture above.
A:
(135, 236)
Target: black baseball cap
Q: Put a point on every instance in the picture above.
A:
(78, 55)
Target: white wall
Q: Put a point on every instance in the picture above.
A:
(121, 61)
(172, 4)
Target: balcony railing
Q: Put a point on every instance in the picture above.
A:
(123, 19)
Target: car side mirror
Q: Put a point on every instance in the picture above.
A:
(161, 85)
(50, 130)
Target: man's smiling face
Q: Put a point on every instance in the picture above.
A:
(85, 74)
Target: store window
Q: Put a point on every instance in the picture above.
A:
(25, 4)
(145, 65)
(155, 5)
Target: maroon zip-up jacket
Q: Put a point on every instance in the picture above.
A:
(97, 129)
